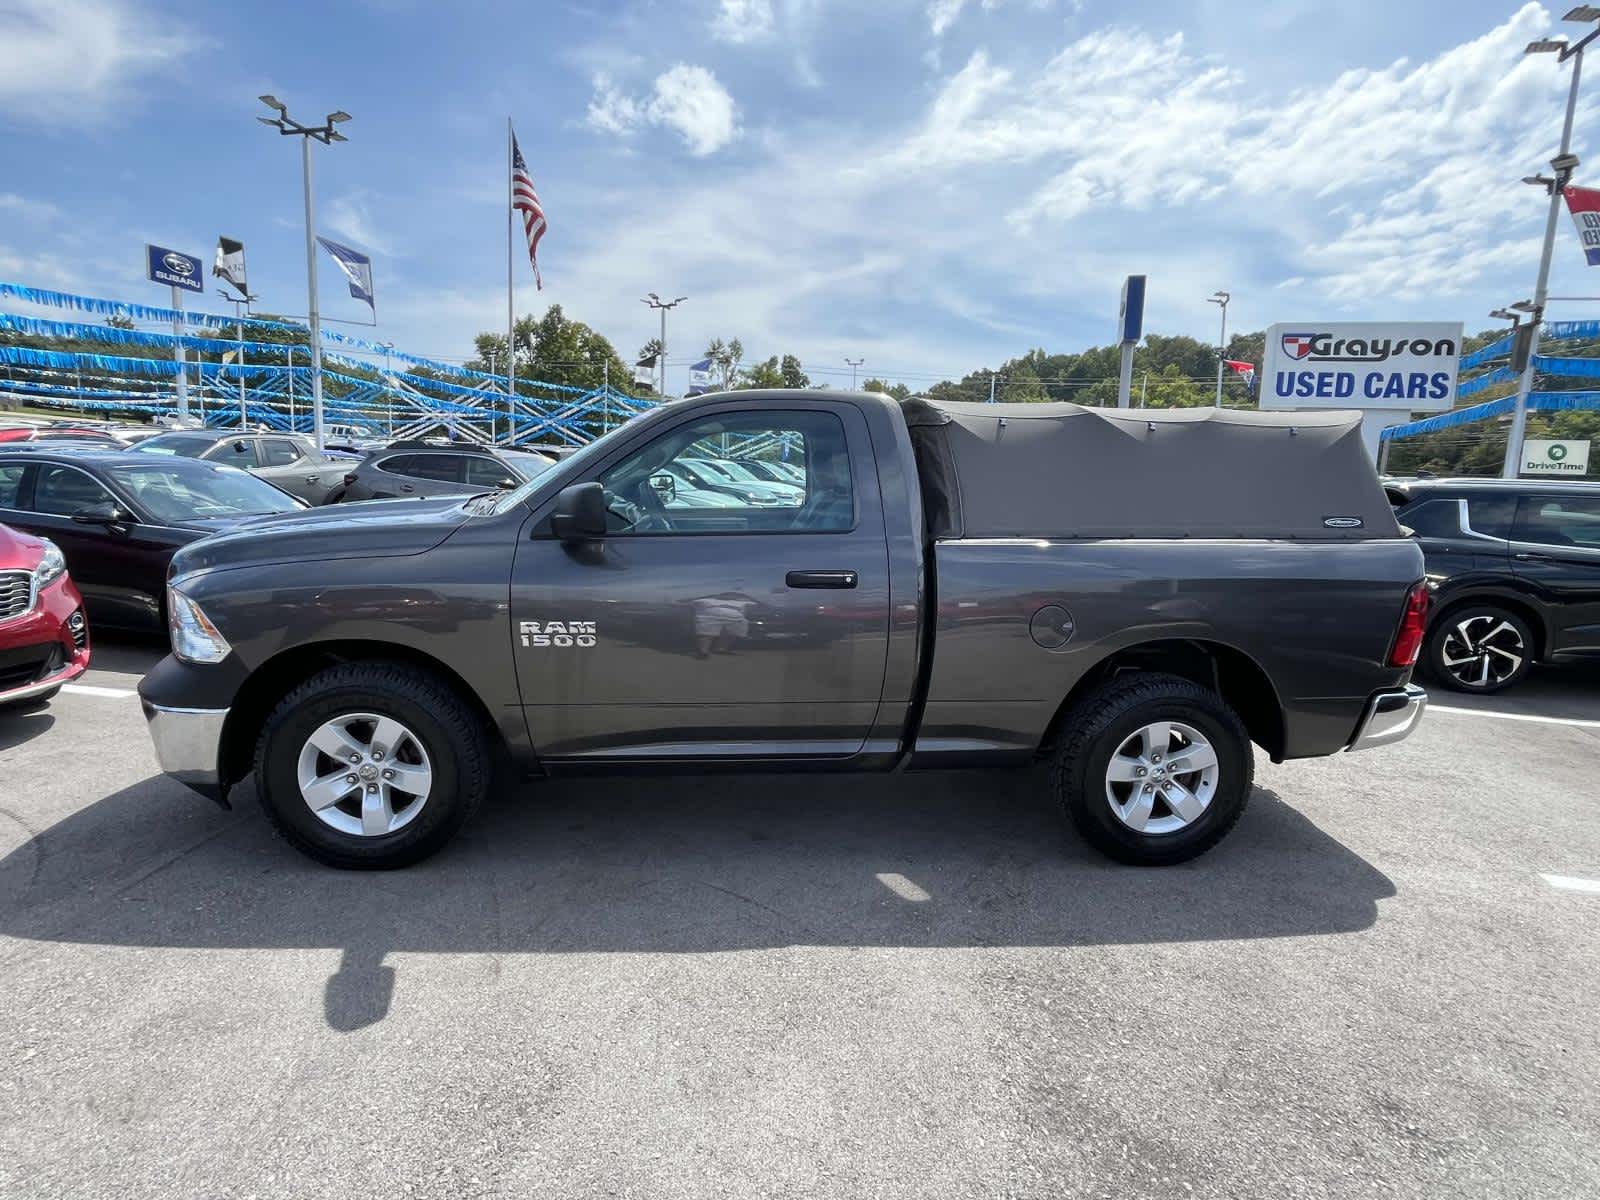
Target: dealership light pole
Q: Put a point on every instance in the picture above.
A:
(326, 134)
(665, 306)
(1563, 164)
(853, 364)
(238, 315)
(1221, 299)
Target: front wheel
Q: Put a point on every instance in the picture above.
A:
(371, 765)
(1479, 648)
(1153, 769)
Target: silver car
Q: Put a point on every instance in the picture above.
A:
(285, 460)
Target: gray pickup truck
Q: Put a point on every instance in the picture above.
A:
(1134, 597)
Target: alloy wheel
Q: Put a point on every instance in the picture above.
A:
(1483, 651)
(364, 774)
(1162, 778)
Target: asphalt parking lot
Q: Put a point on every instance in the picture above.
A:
(1383, 983)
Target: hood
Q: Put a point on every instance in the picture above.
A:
(19, 551)
(370, 529)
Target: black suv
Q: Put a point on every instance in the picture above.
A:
(425, 469)
(1515, 566)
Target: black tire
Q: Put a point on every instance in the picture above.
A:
(1099, 725)
(1487, 616)
(450, 732)
(31, 703)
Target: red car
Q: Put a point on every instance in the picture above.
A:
(44, 639)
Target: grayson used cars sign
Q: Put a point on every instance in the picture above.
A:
(1408, 365)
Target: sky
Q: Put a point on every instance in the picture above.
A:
(933, 186)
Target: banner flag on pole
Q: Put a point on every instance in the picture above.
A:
(1584, 205)
(357, 268)
(644, 371)
(1245, 370)
(229, 266)
(702, 378)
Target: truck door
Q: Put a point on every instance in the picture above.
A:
(744, 626)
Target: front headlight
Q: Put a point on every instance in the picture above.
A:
(194, 638)
(51, 567)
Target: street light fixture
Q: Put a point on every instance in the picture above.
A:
(1221, 299)
(1563, 165)
(327, 135)
(665, 306)
(853, 363)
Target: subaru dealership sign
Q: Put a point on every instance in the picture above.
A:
(1410, 366)
(170, 266)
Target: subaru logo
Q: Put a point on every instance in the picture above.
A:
(177, 263)
(1297, 345)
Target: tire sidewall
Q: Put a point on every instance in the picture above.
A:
(1235, 773)
(1434, 650)
(278, 776)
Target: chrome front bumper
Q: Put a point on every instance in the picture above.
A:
(1390, 717)
(189, 745)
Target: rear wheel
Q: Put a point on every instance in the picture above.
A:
(371, 765)
(1153, 769)
(1479, 648)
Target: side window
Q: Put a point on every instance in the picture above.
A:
(1559, 520)
(235, 452)
(445, 468)
(63, 491)
(488, 472)
(690, 479)
(1492, 515)
(11, 485)
(1433, 518)
(279, 452)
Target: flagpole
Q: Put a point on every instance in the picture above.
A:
(511, 318)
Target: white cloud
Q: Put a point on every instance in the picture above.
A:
(942, 14)
(24, 209)
(74, 61)
(687, 99)
(350, 216)
(743, 21)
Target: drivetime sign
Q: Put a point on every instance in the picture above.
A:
(1410, 366)
(1555, 458)
(169, 266)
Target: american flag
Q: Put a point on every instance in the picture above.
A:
(526, 201)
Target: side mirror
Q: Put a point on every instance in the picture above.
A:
(580, 514)
(104, 513)
(507, 485)
(665, 485)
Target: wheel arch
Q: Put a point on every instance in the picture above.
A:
(1241, 682)
(280, 674)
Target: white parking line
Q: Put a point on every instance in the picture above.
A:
(1505, 716)
(1572, 883)
(903, 887)
(85, 689)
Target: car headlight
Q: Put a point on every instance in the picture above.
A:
(51, 567)
(194, 638)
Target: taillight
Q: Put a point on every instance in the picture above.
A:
(1413, 624)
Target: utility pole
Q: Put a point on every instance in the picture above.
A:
(388, 382)
(1221, 299)
(1144, 387)
(1563, 164)
(665, 306)
(327, 135)
(853, 363)
(240, 307)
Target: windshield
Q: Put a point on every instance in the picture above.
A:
(736, 471)
(184, 445)
(173, 493)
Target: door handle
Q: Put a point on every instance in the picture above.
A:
(312, 478)
(406, 487)
(820, 579)
(1523, 556)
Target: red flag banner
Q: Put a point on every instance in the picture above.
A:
(1584, 205)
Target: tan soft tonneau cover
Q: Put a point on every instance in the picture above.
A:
(1062, 470)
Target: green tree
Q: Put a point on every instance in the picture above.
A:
(899, 390)
(554, 349)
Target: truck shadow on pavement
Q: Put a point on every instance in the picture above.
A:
(680, 865)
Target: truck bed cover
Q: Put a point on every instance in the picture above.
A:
(1066, 471)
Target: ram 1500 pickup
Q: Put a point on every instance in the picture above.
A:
(1136, 597)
